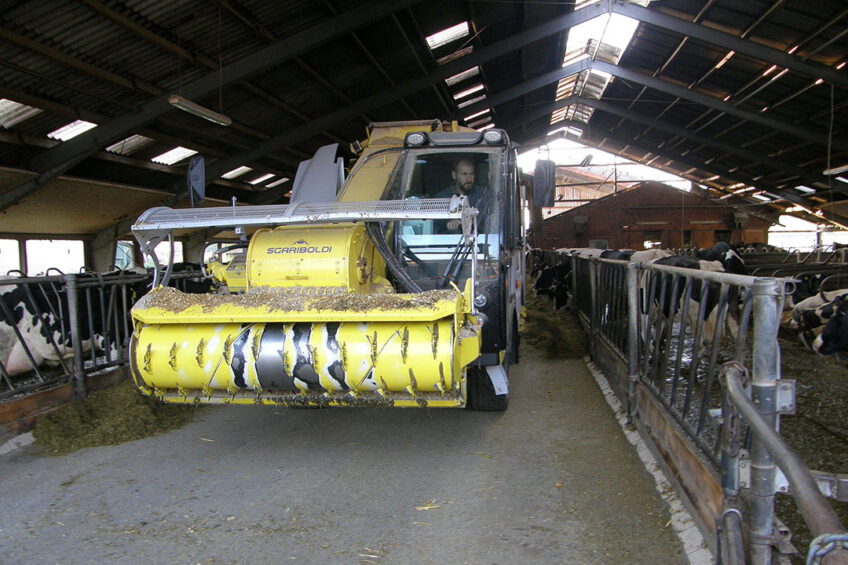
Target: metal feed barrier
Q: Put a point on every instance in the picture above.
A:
(90, 321)
(677, 346)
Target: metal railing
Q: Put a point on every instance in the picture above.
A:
(62, 328)
(676, 331)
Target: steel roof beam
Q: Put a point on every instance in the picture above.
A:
(804, 174)
(710, 102)
(61, 158)
(731, 42)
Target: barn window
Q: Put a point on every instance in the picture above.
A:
(10, 257)
(67, 255)
(652, 239)
(721, 235)
(124, 255)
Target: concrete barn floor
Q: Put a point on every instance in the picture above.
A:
(552, 480)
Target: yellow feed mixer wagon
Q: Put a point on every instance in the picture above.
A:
(399, 285)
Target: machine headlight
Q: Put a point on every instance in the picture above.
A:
(415, 139)
(493, 136)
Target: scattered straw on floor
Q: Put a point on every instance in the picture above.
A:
(110, 416)
(557, 334)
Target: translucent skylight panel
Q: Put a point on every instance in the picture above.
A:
(238, 171)
(468, 91)
(129, 145)
(479, 123)
(471, 101)
(448, 35)
(175, 155)
(476, 115)
(464, 75)
(12, 112)
(261, 179)
(276, 182)
(71, 130)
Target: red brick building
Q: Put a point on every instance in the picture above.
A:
(652, 212)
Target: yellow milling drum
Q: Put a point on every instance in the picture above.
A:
(410, 352)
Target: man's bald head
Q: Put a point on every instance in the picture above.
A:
(463, 176)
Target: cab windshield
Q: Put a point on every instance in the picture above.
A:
(432, 251)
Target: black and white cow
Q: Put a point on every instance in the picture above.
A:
(722, 252)
(701, 300)
(834, 336)
(35, 325)
(811, 315)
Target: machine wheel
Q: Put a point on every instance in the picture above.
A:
(481, 393)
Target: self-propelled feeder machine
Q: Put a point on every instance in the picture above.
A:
(398, 285)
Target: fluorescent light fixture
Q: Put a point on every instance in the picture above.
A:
(276, 182)
(468, 91)
(471, 101)
(805, 189)
(819, 81)
(448, 35)
(12, 112)
(762, 197)
(487, 126)
(71, 130)
(464, 75)
(712, 178)
(726, 98)
(842, 179)
(455, 55)
(792, 49)
(769, 70)
(175, 155)
(836, 170)
(238, 171)
(195, 109)
(726, 58)
(261, 179)
(840, 65)
(129, 145)
(476, 115)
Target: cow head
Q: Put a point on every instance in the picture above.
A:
(834, 337)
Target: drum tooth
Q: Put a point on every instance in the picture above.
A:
(147, 355)
(200, 350)
(173, 360)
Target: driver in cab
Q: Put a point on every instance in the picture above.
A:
(480, 197)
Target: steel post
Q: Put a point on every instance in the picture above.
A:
(764, 394)
(80, 388)
(593, 306)
(632, 288)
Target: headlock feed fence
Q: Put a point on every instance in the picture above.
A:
(700, 349)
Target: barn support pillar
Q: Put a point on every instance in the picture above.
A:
(102, 249)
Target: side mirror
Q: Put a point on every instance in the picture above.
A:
(544, 183)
